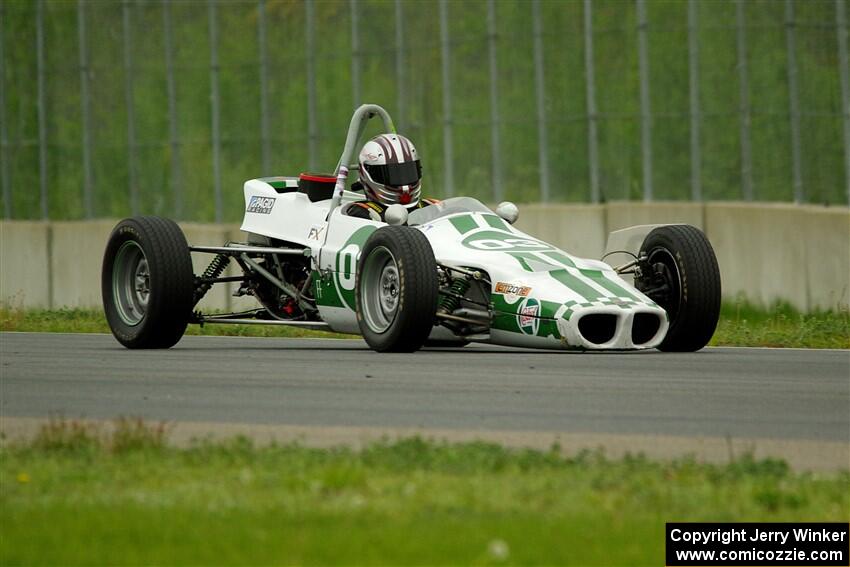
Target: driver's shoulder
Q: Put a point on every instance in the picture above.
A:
(364, 209)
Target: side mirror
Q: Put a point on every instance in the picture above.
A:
(395, 215)
(508, 211)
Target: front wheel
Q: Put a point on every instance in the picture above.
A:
(682, 276)
(396, 289)
(147, 282)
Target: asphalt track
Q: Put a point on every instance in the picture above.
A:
(732, 393)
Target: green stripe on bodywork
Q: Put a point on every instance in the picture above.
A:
(525, 257)
(499, 304)
(497, 222)
(505, 317)
(619, 290)
(548, 328)
(576, 284)
(521, 258)
(464, 223)
(553, 259)
(508, 322)
(547, 308)
(279, 182)
(638, 297)
(598, 278)
(561, 258)
(505, 322)
(347, 263)
(325, 292)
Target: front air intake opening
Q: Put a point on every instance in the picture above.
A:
(598, 328)
(644, 327)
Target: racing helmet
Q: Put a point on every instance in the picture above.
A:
(390, 170)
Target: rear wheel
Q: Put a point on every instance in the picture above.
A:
(396, 289)
(682, 276)
(147, 282)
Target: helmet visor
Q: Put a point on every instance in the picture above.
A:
(396, 174)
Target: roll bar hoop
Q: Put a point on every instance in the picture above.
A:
(358, 124)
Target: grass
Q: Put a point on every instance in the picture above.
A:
(93, 321)
(741, 324)
(84, 494)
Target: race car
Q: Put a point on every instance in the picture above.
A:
(448, 274)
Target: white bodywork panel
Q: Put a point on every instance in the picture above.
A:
(540, 294)
(512, 257)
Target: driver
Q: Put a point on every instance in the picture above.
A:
(390, 173)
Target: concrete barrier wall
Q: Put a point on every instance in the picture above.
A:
(76, 254)
(25, 263)
(579, 229)
(827, 257)
(782, 252)
(623, 214)
(58, 264)
(766, 252)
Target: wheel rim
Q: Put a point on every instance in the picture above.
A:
(380, 289)
(131, 283)
(662, 262)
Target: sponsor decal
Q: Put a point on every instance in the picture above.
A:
(260, 205)
(511, 289)
(316, 232)
(512, 292)
(528, 316)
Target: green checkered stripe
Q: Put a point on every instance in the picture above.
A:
(624, 303)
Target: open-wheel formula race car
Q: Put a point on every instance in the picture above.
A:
(447, 274)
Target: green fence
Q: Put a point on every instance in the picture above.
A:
(117, 107)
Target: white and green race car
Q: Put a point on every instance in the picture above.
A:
(447, 274)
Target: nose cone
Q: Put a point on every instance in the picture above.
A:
(538, 313)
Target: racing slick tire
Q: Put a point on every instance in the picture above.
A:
(396, 289)
(147, 282)
(681, 258)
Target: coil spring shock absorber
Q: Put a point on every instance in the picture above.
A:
(215, 269)
(451, 300)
